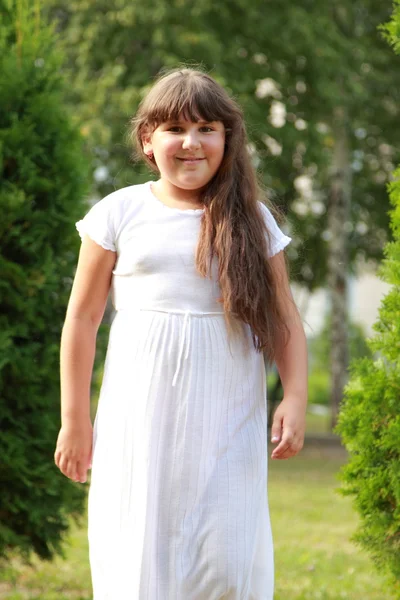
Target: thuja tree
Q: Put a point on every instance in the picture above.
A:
(369, 422)
(369, 418)
(44, 178)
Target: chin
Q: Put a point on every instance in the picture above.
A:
(191, 186)
(195, 184)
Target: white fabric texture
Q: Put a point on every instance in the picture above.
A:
(178, 506)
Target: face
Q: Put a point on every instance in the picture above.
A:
(187, 154)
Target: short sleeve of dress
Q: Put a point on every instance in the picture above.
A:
(99, 224)
(279, 240)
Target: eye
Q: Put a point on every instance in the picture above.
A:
(178, 129)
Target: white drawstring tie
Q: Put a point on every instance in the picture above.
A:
(183, 336)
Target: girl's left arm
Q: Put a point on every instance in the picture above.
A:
(289, 421)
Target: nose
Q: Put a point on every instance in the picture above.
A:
(191, 140)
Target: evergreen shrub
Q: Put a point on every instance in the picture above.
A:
(44, 178)
(369, 421)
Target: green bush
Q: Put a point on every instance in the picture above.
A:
(44, 179)
(369, 422)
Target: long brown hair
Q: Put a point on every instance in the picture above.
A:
(232, 225)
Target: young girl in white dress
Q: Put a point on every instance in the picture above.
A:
(194, 261)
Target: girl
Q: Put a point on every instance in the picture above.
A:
(178, 505)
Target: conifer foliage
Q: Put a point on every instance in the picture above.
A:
(44, 178)
(369, 421)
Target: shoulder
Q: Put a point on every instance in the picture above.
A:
(277, 240)
(266, 212)
(107, 218)
(124, 198)
(120, 206)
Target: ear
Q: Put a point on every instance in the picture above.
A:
(146, 141)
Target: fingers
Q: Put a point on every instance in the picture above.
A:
(81, 471)
(71, 468)
(276, 429)
(90, 458)
(288, 447)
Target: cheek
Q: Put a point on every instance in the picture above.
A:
(169, 148)
(217, 149)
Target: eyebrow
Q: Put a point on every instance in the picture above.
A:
(182, 121)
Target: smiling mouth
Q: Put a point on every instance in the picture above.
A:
(190, 160)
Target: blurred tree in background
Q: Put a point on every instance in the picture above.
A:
(369, 419)
(44, 181)
(319, 348)
(321, 93)
(288, 65)
(319, 345)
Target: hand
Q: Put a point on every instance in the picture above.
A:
(288, 427)
(73, 454)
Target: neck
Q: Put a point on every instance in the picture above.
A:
(166, 190)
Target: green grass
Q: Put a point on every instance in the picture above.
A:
(59, 580)
(312, 525)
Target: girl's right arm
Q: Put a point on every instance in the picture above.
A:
(78, 345)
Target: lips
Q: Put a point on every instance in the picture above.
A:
(190, 158)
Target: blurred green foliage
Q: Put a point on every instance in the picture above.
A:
(319, 387)
(319, 346)
(45, 177)
(290, 65)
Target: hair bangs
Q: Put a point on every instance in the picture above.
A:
(186, 98)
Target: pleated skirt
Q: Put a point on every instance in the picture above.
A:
(178, 506)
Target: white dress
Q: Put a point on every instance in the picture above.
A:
(177, 505)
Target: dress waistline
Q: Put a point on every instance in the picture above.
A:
(185, 334)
